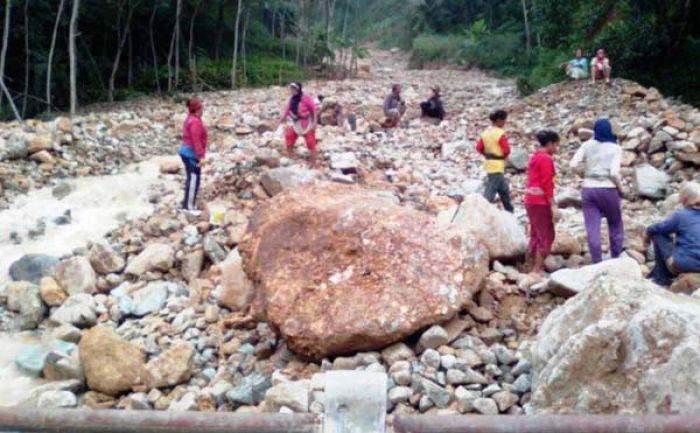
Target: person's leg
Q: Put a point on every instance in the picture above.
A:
(424, 109)
(536, 214)
(663, 249)
(198, 174)
(193, 180)
(188, 176)
(504, 193)
(311, 144)
(591, 218)
(290, 137)
(606, 73)
(612, 209)
(491, 187)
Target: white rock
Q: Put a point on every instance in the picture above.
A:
(569, 282)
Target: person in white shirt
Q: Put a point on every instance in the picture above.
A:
(601, 194)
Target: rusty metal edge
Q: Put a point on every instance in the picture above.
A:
(120, 421)
(649, 423)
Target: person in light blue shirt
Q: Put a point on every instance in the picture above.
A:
(682, 254)
(577, 69)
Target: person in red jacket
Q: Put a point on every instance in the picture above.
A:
(193, 151)
(539, 199)
(301, 109)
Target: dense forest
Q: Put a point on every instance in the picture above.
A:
(655, 42)
(59, 54)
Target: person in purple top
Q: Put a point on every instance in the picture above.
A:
(682, 254)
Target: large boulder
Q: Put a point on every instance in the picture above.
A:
(111, 364)
(650, 182)
(279, 179)
(624, 345)
(498, 230)
(340, 269)
(236, 290)
(569, 282)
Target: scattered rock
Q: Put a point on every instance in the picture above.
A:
(569, 282)
(33, 267)
(76, 275)
(105, 260)
(171, 367)
(158, 257)
(236, 290)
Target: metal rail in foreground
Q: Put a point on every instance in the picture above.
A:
(548, 424)
(120, 421)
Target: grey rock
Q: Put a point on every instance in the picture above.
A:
(505, 400)
(523, 384)
(78, 310)
(518, 158)
(504, 355)
(293, 395)
(433, 338)
(402, 377)
(469, 376)
(16, 147)
(569, 282)
(485, 406)
(75, 275)
(62, 190)
(33, 267)
(523, 366)
(57, 399)
(105, 260)
(431, 358)
(25, 298)
(400, 394)
(437, 394)
(251, 391)
(650, 182)
(213, 250)
(465, 399)
(150, 299)
(279, 179)
(397, 352)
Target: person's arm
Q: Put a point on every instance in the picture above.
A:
(285, 114)
(667, 226)
(480, 146)
(505, 146)
(199, 138)
(578, 156)
(311, 108)
(440, 110)
(615, 169)
(546, 169)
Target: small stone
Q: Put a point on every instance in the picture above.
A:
(433, 338)
(76, 275)
(402, 377)
(33, 267)
(469, 376)
(505, 400)
(105, 260)
(294, 395)
(156, 257)
(57, 399)
(485, 406)
(397, 352)
(481, 314)
(523, 384)
(431, 358)
(171, 367)
(400, 394)
(51, 293)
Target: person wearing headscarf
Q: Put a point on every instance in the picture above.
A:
(193, 151)
(682, 254)
(394, 107)
(539, 199)
(433, 108)
(301, 110)
(602, 188)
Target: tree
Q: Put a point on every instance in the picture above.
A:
(5, 37)
(153, 43)
(235, 44)
(27, 56)
(528, 38)
(49, 62)
(73, 57)
(178, 14)
(190, 51)
(120, 47)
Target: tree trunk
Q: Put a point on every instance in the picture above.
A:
(528, 37)
(49, 61)
(120, 47)
(153, 43)
(130, 74)
(283, 36)
(300, 26)
(219, 30)
(170, 62)
(190, 51)
(5, 37)
(235, 45)
(272, 27)
(178, 13)
(27, 56)
(9, 98)
(73, 58)
(245, 27)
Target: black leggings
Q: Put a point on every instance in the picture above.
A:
(192, 183)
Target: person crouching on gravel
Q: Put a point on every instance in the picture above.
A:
(539, 199)
(394, 107)
(302, 112)
(193, 152)
(494, 145)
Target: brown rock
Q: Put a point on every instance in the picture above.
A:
(75, 275)
(170, 165)
(111, 364)
(43, 156)
(51, 293)
(481, 314)
(64, 125)
(105, 260)
(171, 367)
(566, 244)
(686, 283)
(39, 143)
(192, 265)
(236, 290)
(342, 269)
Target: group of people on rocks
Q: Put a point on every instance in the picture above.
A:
(598, 160)
(578, 67)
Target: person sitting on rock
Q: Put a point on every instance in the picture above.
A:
(683, 255)
(600, 67)
(193, 152)
(494, 145)
(432, 108)
(301, 110)
(331, 112)
(602, 188)
(394, 107)
(539, 199)
(577, 68)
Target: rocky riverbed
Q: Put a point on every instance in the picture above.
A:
(384, 258)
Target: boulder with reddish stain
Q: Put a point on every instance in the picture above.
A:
(340, 269)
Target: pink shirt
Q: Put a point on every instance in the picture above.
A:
(306, 111)
(194, 135)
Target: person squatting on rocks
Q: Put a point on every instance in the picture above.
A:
(539, 199)
(494, 145)
(577, 68)
(302, 111)
(600, 67)
(602, 188)
(330, 113)
(683, 255)
(394, 107)
(432, 108)
(193, 151)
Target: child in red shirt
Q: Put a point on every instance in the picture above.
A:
(539, 199)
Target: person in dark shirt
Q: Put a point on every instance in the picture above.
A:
(682, 254)
(432, 108)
